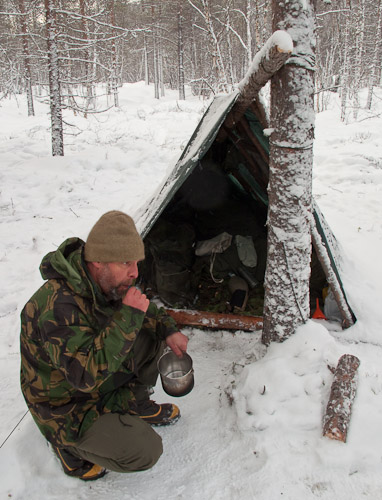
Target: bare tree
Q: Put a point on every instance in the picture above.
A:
(290, 184)
(182, 94)
(217, 55)
(376, 56)
(54, 79)
(26, 57)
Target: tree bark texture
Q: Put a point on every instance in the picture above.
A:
(114, 78)
(286, 302)
(377, 51)
(338, 410)
(213, 320)
(54, 80)
(182, 94)
(26, 57)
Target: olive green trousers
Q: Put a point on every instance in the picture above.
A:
(124, 442)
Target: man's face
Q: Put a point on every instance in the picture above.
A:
(115, 278)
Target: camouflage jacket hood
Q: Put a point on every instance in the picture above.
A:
(77, 359)
(67, 263)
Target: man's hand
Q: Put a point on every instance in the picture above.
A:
(135, 298)
(177, 343)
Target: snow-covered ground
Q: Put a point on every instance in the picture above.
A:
(252, 426)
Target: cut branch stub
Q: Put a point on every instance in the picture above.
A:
(215, 320)
(266, 63)
(338, 410)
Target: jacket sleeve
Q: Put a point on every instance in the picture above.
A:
(85, 354)
(159, 322)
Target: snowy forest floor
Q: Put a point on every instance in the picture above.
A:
(252, 426)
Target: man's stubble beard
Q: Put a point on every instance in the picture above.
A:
(112, 293)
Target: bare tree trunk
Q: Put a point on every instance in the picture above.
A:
(155, 56)
(248, 22)
(376, 56)
(182, 94)
(114, 85)
(26, 56)
(160, 67)
(231, 77)
(146, 61)
(88, 79)
(345, 67)
(54, 80)
(360, 38)
(286, 303)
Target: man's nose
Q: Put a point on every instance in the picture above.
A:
(133, 271)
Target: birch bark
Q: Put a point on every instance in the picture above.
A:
(54, 80)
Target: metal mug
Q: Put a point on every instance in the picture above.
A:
(177, 374)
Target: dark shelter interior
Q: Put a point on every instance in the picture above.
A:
(225, 194)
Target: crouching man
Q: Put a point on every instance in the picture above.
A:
(90, 342)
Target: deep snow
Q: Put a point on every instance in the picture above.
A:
(252, 426)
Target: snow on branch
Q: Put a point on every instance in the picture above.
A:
(270, 58)
(267, 61)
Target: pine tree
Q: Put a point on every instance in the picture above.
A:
(286, 303)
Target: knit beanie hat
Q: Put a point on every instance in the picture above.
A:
(114, 238)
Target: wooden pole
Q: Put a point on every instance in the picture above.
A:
(215, 320)
(270, 58)
(338, 410)
(265, 64)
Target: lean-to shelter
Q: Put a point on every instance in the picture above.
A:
(219, 187)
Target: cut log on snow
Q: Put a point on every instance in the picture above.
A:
(266, 62)
(338, 410)
(215, 320)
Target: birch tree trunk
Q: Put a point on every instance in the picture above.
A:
(54, 80)
(286, 303)
(26, 57)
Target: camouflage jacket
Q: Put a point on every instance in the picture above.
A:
(76, 348)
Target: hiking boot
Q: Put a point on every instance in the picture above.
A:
(156, 414)
(77, 467)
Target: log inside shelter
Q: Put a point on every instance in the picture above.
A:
(338, 410)
(214, 320)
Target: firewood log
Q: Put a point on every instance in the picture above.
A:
(215, 320)
(338, 410)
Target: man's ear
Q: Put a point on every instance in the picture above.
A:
(94, 265)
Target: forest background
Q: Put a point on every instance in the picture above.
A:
(64, 49)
